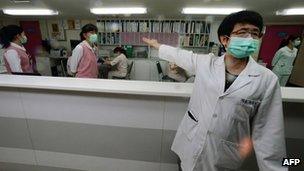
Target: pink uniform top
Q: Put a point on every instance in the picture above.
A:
(24, 59)
(87, 67)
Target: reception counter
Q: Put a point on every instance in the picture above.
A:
(69, 124)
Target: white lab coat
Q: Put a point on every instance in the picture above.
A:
(251, 106)
(282, 63)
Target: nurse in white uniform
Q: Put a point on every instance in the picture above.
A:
(283, 59)
(235, 105)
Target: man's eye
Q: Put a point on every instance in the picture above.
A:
(242, 32)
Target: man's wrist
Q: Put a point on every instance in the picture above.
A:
(157, 46)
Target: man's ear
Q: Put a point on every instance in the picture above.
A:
(261, 36)
(224, 40)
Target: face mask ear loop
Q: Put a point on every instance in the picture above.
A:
(227, 43)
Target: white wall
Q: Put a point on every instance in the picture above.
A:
(213, 33)
(45, 27)
(8, 22)
(146, 70)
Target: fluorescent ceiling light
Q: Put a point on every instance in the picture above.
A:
(129, 10)
(29, 12)
(21, 1)
(216, 11)
(291, 11)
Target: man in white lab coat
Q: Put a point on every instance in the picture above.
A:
(235, 106)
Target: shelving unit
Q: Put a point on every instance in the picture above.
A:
(182, 33)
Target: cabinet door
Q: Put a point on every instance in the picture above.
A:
(297, 76)
(142, 70)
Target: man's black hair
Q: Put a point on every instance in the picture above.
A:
(242, 17)
(87, 28)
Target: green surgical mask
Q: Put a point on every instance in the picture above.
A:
(93, 38)
(23, 40)
(241, 47)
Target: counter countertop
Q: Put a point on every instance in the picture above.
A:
(289, 94)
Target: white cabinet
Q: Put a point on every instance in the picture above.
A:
(141, 70)
(146, 70)
(43, 66)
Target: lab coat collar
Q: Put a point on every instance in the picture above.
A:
(250, 72)
(17, 46)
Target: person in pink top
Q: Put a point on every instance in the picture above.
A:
(83, 62)
(16, 59)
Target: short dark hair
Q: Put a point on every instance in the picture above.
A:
(242, 17)
(120, 49)
(286, 40)
(87, 28)
(8, 34)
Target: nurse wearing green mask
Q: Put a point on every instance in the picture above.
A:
(282, 62)
(83, 62)
(235, 106)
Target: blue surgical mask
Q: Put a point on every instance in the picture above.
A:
(93, 38)
(241, 47)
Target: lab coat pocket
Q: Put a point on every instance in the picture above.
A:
(240, 120)
(228, 155)
(189, 125)
(245, 109)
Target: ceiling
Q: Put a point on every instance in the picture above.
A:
(160, 8)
